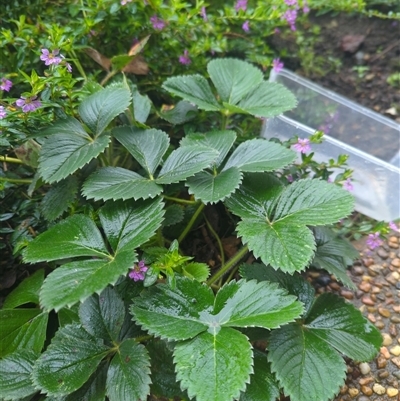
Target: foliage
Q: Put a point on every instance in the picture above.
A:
(117, 306)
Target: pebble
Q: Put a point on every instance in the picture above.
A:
(396, 262)
(396, 361)
(335, 286)
(358, 270)
(374, 270)
(365, 286)
(396, 373)
(381, 362)
(383, 375)
(380, 325)
(347, 294)
(368, 262)
(378, 389)
(367, 301)
(353, 392)
(387, 340)
(393, 278)
(384, 312)
(392, 330)
(365, 380)
(392, 392)
(366, 390)
(382, 253)
(395, 319)
(385, 353)
(364, 368)
(395, 350)
(362, 398)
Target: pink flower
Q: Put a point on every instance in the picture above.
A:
(373, 241)
(3, 112)
(347, 185)
(203, 13)
(50, 58)
(241, 5)
(184, 58)
(289, 177)
(158, 24)
(290, 16)
(246, 26)
(138, 271)
(393, 226)
(5, 85)
(277, 65)
(291, 2)
(69, 68)
(302, 145)
(28, 103)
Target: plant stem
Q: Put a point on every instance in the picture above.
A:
(16, 180)
(177, 200)
(10, 160)
(215, 235)
(191, 222)
(229, 264)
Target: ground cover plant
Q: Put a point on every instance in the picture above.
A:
(116, 307)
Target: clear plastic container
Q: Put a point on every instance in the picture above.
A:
(371, 141)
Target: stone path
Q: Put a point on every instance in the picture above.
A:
(377, 276)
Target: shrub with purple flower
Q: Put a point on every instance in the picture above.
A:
(374, 241)
(203, 14)
(392, 225)
(241, 5)
(302, 145)
(5, 85)
(347, 185)
(50, 58)
(158, 24)
(290, 16)
(28, 103)
(246, 26)
(138, 271)
(3, 112)
(277, 65)
(184, 58)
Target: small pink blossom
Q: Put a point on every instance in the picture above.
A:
(241, 5)
(158, 24)
(291, 2)
(347, 185)
(290, 16)
(203, 14)
(302, 145)
(69, 68)
(6, 84)
(184, 58)
(50, 58)
(138, 271)
(392, 225)
(277, 65)
(3, 112)
(246, 26)
(373, 241)
(28, 103)
(289, 177)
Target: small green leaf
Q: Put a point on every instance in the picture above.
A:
(26, 292)
(15, 375)
(22, 329)
(146, 146)
(182, 112)
(68, 315)
(75, 236)
(69, 361)
(76, 281)
(196, 271)
(59, 197)
(141, 106)
(174, 214)
(119, 183)
(233, 78)
(259, 155)
(99, 109)
(69, 150)
(223, 362)
(128, 376)
(102, 315)
(193, 88)
(263, 385)
(307, 368)
(210, 188)
(173, 314)
(184, 162)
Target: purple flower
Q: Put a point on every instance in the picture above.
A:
(157, 23)
(69, 68)
(124, 2)
(3, 112)
(50, 58)
(5, 85)
(373, 241)
(347, 185)
(306, 9)
(184, 58)
(277, 30)
(277, 65)
(241, 5)
(289, 177)
(393, 226)
(28, 103)
(246, 26)
(302, 145)
(290, 16)
(291, 2)
(203, 13)
(138, 271)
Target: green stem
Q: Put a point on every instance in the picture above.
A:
(215, 235)
(224, 121)
(191, 222)
(231, 263)
(16, 180)
(177, 200)
(10, 160)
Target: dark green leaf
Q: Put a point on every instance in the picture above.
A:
(173, 215)
(214, 367)
(182, 112)
(68, 315)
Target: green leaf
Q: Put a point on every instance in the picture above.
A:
(141, 106)
(196, 271)
(341, 325)
(210, 188)
(263, 385)
(99, 109)
(146, 146)
(182, 112)
(119, 183)
(26, 292)
(76, 281)
(15, 375)
(69, 361)
(128, 376)
(233, 78)
(185, 162)
(174, 214)
(248, 303)
(59, 197)
(307, 368)
(102, 315)
(193, 88)
(173, 314)
(129, 224)
(214, 367)
(268, 99)
(68, 315)
(75, 236)
(258, 155)
(22, 329)
(68, 150)
(221, 141)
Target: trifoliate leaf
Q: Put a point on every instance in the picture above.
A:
(214, 367)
